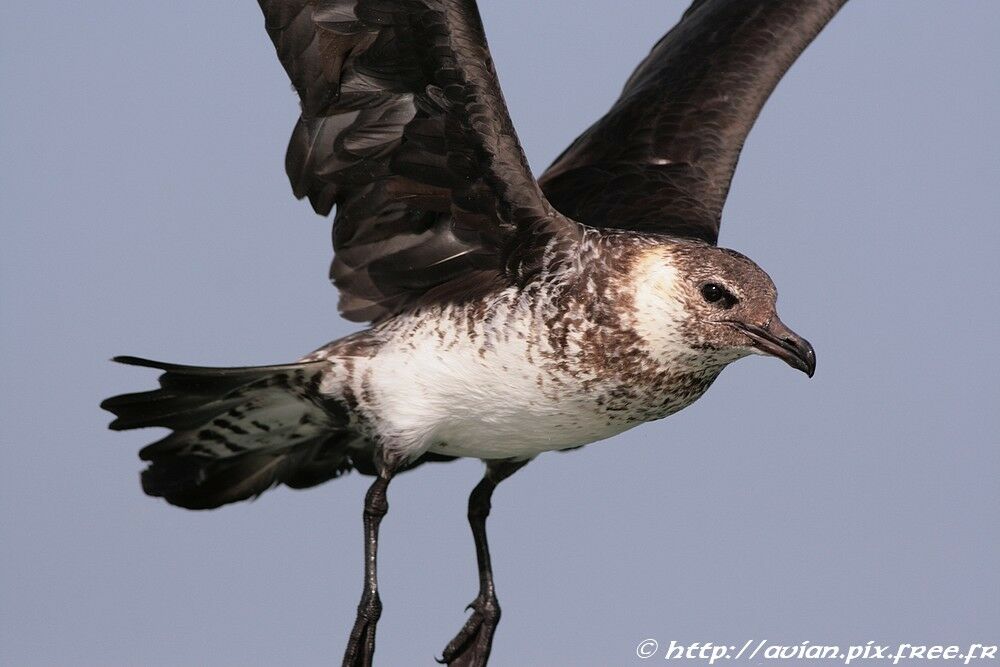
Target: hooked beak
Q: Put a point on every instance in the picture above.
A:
(779, 341)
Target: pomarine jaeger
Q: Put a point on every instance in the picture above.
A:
(509, 316)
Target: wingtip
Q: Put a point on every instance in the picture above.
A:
(116, 425)
(129, 360)
(111, 405)
(108, 406)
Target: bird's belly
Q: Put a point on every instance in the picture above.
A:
(456, 401)
(521, 430)
(501, 389)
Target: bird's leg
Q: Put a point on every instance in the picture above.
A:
(471, 646)
(361, 645)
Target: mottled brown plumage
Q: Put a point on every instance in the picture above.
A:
(508, 318)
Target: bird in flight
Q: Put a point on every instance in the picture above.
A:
(508, 316)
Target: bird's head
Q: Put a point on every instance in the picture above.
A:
(711, 304)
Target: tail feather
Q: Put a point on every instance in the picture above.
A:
(198, 484)
(236, 431)
(185, 390)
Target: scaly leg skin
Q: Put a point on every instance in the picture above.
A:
(361, 645)
(471, 646)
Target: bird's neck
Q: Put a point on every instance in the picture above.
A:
(594, 330)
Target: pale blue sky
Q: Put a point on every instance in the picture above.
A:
(145, 211)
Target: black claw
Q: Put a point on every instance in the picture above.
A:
(472, 645)
(361, 644)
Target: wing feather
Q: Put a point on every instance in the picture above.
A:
(404, 130)
(661, 160)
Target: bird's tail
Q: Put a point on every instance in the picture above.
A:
(236, 431)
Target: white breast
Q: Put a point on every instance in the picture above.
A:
(485, 392)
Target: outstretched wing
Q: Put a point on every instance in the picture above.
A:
(404, 129)
(662, 158)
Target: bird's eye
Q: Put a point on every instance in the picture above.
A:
(714, 293)
(711, 292)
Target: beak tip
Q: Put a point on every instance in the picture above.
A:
(779, 341)
(806, 357)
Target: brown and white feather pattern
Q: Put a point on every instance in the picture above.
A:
(502, 328)
(568, 355)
